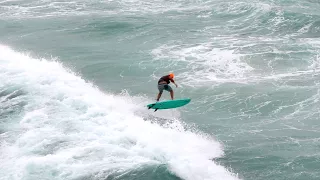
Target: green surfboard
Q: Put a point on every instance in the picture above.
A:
(169, 104)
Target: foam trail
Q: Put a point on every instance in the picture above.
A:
(65, 128)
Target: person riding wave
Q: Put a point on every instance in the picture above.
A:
(163, 84)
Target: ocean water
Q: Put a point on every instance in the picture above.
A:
(75, 78)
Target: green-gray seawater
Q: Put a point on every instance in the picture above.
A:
(76, 76)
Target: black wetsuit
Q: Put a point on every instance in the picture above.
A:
(166, 79)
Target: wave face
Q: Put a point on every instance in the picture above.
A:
(54, 125)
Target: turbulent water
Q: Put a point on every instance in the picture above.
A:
(75, 78)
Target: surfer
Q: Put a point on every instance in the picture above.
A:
(163, 84)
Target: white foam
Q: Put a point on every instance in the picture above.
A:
(204, 63)
(70, 129)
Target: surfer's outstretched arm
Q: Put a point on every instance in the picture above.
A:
(173, 82)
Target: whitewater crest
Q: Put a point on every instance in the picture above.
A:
(66, 128)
